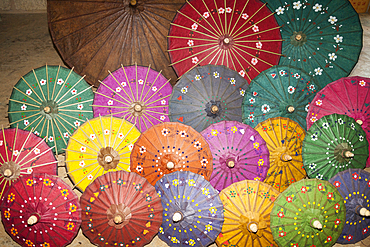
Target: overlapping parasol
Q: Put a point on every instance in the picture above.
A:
(206, 95)
(96, 36)
(323, 38)
(240, 34)
(281, 91)
(193, 212)
(120, 209)
(23, 153)
(284, 139)
(239, 153)
(168, 147)
(353, 185)
(247, 206)
(53, 101)
(136, 93)
(100, 145)
(41, 210)
(310, 212)
(346, 96)
(334, 143)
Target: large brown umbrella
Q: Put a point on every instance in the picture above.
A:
(95, 36)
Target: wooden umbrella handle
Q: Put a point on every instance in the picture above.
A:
(133, 2)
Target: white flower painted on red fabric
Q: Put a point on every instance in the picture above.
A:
(318, 102)
(36, 151)
(254, 61)
(15, 153)
(245, 16)
(255, 28)
(190, 42)
(221, 10)
(228, 10)
(242, 73)
(194, 26)
(313, 119)
(362, 83)
(259, 45)
(194, 60)
(206, 15)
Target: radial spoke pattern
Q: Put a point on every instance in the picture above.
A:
(281, 91)
(334, 143)
(240, 34)
(323, 38)
(100, 145)
(102, 35)
(310, 212)
(247, 207)
(136, 93)
(52, 101)
(41, 209)
(284, 139)
(347, 96)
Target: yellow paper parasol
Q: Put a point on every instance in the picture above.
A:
(284, 139)
(247, 207)
(100, 145)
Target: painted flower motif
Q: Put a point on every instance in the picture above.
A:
(184, 90)
(252, 100)
(190, 42)
(340, 121)
(234, 129)
(338, 38)
(321, 187)
(82, 163)
(197, 77)
(255, 28)
(242, 73)
(317, 7)
(362, 83)
(256, 145)
(204, 162)
(194, 26)
(251, 117)
(304, 189)
(70, 226)
(332, 19)
(11, 197)
(311, 87)
(307, 107)
(174, 240)
(352, 126)
(295, 245)
(242, 92)
(29, 170)
(206, 15)
(28, 91)
(141, 81)
(319, 176)
(318, 102)
(118, 89)
(280, 214)
(259, 45)
(314, 137)
(142, 149)
(80, 106)
(7, 214)
(297, 76)
(232, 81)
(245, 16)
(197, 144)
(162, 118)
(329, 238)
(163, 102)
(318, 71)
(221, 10)
(13, 231)
(337, 222)
(28, 243)
(214, 132)
(228, 10)
(64, 192)
(139, 169)
(280, 11)
(165, 131)
(337, 184)
(15, 153)
(208, 227)
(360, 138)
(313, 119)
(92, 136)
(175, 182)
(191, 182)
(254, 61)
(205, 191)
(42, 82)
(51, 139)
(265, 108)
(297, 5)
(282, 72)
(45, 244)
(364, 230)
(154, 88)
(261, 162)
(106, 132)
(110, 102)
(289, 199)
(332, 56)
(72, 208)
(195, 60)
(26, 122)
(291, 89)
(90, 177)
(47, 182)
(23, 107)
(73, 91)
(325, 125)
(130, 147)
(213, 210)
(216, 74)
(123, 84)
(83, 149)
(355, 176)
(282, 234)
(182, 133)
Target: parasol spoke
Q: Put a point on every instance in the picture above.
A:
(74, 96)
(24, 143)
(69, 117)
(91, 148)
(128, 83)
(105, 106)
(232, 52)
(242, 38)
(216, 48)
(76, 103)
(28, 96)
(5, 145)
(26, 103)
(119, 84)
(45, 164)
(38, 83)
(145, 81)
(246, 29)
(84, 167)
(180, 37)
(194, 46)
(82, 179)
(258, 49)
(32, 89)
(34, 158)
(77, 151)
(235, 48)
(146, 94)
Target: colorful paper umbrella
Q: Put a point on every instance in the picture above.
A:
(120, 209)
(334, 143)
(239, 153)
(136, 93)
(354, 186)
(22, 153)
(247, 207)
(100, 145)
(193, 212)
(41, 210)
(240, 34)
(169, 147)
(206, 95)
(347, 96)
(281, 91)
(98, 35)
(310, 212)
(284, 139)
(53, 101)
(323, 38)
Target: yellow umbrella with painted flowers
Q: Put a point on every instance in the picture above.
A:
(100, 145)
(284, 138)
(247, 207)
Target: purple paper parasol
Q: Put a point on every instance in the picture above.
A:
(239, 153)
(136, 93)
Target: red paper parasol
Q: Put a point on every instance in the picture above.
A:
(21, 153)
(241, 34)
(41, 210)
(120, 209)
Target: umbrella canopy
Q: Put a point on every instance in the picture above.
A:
(23, 153)
(136, 93)
(41, 210)
(346, 96)
(100, 145)
(322, 38)
(52, 101)
(284, 139)
(95, 36)
(281, 91)
(206, 95)
(239, 153)
(247, 206)
(168, 147)
(120, 209)
(193, 212)
(310, 212)
(334, 143)
(240, 34)
(353, 185)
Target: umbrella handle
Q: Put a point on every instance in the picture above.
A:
(359, 121)
(253, 227)
(315, 223)
(290, 109)
(286, 157)
(177, 216)
(7, 173)
(133, 2)
(363, 212)
(347, 154)
(32, 220)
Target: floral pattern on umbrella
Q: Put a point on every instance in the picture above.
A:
(334, 143)
(239, 153)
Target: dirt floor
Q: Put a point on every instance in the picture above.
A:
(25, 44)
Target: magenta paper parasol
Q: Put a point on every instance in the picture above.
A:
(41, 210)
(136, 93)
(239, 153)
(347, 96)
